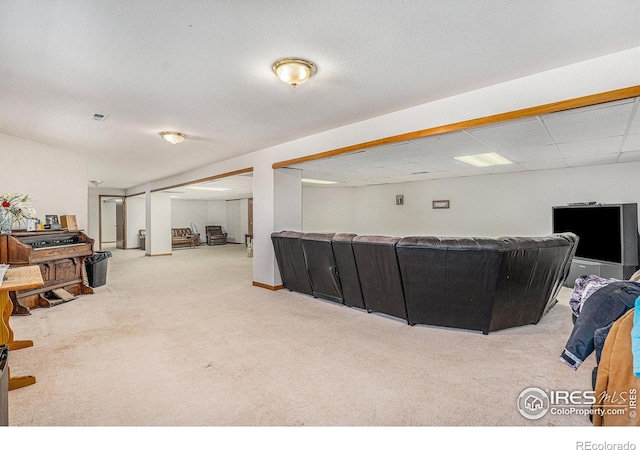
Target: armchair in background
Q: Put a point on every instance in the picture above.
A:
(215, 235)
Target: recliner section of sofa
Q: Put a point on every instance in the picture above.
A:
(291, 261)
(380, 279)
(347, 270)
(482, 284)
(321, 266)
(530, 272)
(449, 282)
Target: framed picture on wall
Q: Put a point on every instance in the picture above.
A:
(440, 204)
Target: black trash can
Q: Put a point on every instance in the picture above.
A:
(96, 266)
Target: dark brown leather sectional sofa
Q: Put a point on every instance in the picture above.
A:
(482, 284)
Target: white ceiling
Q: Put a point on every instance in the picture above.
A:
(204, 68)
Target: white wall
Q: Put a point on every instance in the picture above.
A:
(492, 205)
(54, 178)
(234, 221)
(237, 220)
(217, 213)
(135, 211)
(326, 210)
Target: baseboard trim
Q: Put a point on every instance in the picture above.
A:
(160, 254)
(268, 286)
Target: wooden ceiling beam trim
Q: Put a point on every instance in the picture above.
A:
(563, 105)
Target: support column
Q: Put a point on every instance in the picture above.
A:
(277, 206)
(158, 223)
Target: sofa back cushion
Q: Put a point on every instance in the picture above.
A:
(291, 261)
(379, 274)
(214, 230)
(532, 268)
(449, 281)
(347, 270)
(181, 232)
(321, 266)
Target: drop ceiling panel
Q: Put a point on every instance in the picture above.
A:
(342, 176)
(412, 168)
(629, 156)
(379, 171)
(506, 168)
(635, 122)
(392, 150)
(422, 156)
(545, 165)
(592, 160)
(452, 144)
(631, 143)
(539, 153)
(514, 135)
(589, 123)
(594, 147)
(374, 159)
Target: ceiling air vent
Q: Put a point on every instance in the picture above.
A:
(99, 117)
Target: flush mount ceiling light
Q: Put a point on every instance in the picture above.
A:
(96, 182)
(484, 159)
(173, 137)
(293, 71)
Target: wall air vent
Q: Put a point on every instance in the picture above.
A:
(98, 117)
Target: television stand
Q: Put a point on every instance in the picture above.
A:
(602, 269)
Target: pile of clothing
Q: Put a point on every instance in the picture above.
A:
(604, 322)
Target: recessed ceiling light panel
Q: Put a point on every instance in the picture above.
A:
(205, 188)
(484, 159)
(313, 181)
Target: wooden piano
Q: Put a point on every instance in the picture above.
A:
(60, 255)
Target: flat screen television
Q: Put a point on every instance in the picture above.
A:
(607, 232)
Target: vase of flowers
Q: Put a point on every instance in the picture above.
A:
(14, 208)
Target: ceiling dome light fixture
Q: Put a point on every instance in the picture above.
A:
(293, 71)
(173, 137)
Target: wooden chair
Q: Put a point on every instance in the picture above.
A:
(215, 235)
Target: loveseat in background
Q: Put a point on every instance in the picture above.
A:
(180, 237)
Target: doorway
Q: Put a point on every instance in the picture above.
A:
(112, 222)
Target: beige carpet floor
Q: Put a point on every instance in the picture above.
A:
(186, 340)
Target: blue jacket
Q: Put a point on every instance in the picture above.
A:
(601, 309)
(635, 340)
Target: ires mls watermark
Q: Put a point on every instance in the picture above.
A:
(534, 403)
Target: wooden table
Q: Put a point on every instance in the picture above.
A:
(17, 278)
